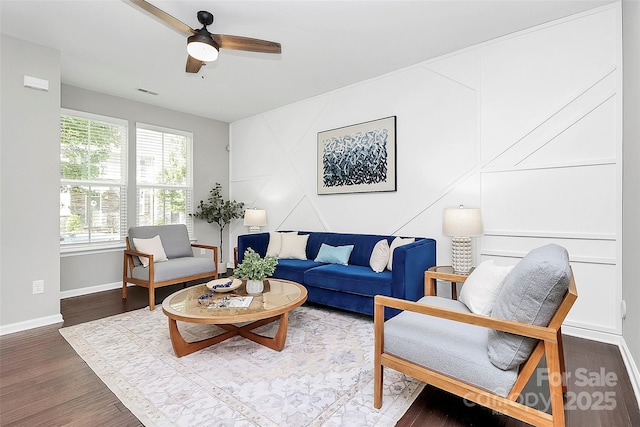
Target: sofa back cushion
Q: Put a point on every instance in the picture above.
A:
(362, 244)
(531, 293)
(174, 237)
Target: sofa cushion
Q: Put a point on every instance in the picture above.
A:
(334, 254)
(362, 244)
(482, 287)
(293, 269)
(398, 241)
(175, 238)
(379, 256)
(452, 348)
(275, 242)
(354, 279)
(152, 246)
(294, 246)
(176, 268)
(532, 292)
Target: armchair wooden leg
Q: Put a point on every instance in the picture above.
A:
(563, 369)
(152, 299)
(124, 290)
(378, 346)
(378, 379)
(555, 383)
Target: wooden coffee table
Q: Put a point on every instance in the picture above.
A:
(275, 303)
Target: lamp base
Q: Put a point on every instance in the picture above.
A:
(461, 254)
(254, 229)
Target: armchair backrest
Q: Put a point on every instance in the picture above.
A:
(174, 237)
(532, 293)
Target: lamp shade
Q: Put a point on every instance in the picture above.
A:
(202, 47)
(462, 222)
(255, 217)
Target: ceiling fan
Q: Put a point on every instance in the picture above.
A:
(203, 46)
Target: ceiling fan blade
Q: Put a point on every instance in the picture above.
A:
(193, 65)
(246, 43)
(163, 16)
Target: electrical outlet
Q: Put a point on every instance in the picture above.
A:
(38, 287)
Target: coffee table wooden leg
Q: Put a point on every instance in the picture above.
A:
(182, 347)
(275, 343)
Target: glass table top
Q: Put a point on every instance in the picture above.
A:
(199, 304)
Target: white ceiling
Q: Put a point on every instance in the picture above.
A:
(111, 47)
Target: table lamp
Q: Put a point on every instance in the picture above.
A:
(461, 224)
(254, 219)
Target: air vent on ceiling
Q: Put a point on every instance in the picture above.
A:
(147, 91)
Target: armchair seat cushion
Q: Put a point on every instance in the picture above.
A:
(455, 349)
(178, 267)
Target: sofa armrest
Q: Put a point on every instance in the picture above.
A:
(257, 241)
(409, 264)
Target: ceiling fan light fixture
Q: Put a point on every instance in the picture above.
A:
(202, 47)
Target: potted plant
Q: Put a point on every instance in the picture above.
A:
(220, 211)
(255, 269)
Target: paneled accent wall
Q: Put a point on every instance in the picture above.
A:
(527, 127)
(550, 167)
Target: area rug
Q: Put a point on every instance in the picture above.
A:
(323, 376)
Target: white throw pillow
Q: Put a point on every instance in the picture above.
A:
(398, 241)
(379, 256)
(152, 246)
(294, 246)
(275, 242)
(480, 290)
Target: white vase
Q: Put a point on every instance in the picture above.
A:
(255, 287)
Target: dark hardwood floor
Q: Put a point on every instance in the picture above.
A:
(43, 382)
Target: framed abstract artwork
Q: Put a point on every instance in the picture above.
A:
(359, 158)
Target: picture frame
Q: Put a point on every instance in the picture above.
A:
(359, 158)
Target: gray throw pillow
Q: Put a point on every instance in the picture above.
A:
(532, 293)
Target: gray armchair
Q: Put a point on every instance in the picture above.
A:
(166, 264)
(485, 359)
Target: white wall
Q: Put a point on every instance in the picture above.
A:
(528, 127)
(29, 181)
(210, 165)
(631, 176)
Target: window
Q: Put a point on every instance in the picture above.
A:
(93, 180)
(164, 176)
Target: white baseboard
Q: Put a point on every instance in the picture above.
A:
(632, 368)
(90, 290)
(627, 358)
(30, 324)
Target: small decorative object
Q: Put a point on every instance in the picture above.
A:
(461, 224)
(254, 219)
(219, 211)
(358, 159)
(224, 285)
(255, 270)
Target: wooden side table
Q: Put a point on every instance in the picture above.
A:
(443, 273)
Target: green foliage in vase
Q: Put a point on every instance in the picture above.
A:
(255, 268)
(219, 211)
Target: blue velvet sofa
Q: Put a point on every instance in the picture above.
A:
(352, 287)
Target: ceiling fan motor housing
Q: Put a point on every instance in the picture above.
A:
(205, 18)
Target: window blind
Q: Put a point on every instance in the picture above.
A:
(164, 176)
(93, 180)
